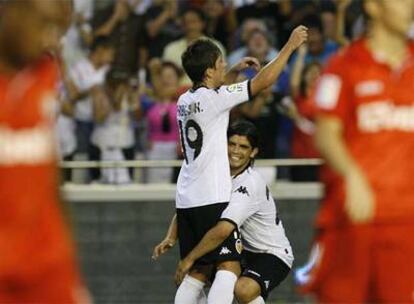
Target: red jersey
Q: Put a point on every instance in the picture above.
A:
(33, 236)
(375, 104)
(302, 141)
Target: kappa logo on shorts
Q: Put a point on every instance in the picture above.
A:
(224, 251)
(242, 190)
(267, 284)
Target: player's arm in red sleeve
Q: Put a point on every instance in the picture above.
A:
(333, 105)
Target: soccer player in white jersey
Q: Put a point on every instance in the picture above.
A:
(204, 183)
(267, 255)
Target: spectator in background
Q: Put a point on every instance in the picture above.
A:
(194, 22)
(161, 26)
(258, 45)
(221, 21)
(163, 137)
(113, 133)
(66, 134)
(300, 109)
(83, 82)
(126, 29)
(79, 35)
(320, 49)
(274, 14)
(246, 28)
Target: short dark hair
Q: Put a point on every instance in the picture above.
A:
(198, 57)
(102, 42)
(246, 128)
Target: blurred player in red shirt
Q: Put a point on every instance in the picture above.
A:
(365, 132)
(37, 259)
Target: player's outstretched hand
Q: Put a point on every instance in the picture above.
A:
(183, 268)
(162, 248)
(298, 37)
(247, 62)
(359, 201)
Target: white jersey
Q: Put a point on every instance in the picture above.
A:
(253, 210)
(203, 118)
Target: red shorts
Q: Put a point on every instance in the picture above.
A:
(364, 263)
(57, 285)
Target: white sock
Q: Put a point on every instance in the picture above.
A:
(222, 290)
(258, 300)
(189, 291)
(202, 298)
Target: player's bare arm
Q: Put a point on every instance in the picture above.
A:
(246, 62)
(269, 74)
(359, 201)
(211, 240)
(169, 241)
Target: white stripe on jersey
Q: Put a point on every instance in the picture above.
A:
(254, 211)
(203, 118)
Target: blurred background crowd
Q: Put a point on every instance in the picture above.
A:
(122, 75)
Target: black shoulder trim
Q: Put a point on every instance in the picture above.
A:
(249, 89)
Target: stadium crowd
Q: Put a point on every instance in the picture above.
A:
(122, 75)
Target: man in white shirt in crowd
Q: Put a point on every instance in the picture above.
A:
(84, 85)
(204, 183)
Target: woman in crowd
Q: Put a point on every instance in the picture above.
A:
(163, 135)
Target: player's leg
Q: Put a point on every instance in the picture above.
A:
(394, 263)
(248, 290)
(222, 289)
(262, 273)
(341, 272)
(227, 257)
(190, 290)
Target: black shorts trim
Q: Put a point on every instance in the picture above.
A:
(266, 269)
(193, 223)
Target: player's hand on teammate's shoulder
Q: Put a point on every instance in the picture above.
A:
(183, 268)
(162, 248)
(359, 200)
(298, 37)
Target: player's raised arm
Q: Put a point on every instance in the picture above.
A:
(269, 74)
(246, 62)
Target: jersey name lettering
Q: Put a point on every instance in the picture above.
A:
(185, 110)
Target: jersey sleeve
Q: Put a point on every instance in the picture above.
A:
(232, 95)
(243, 204)
(332, 95)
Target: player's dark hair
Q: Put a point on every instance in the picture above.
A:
(243, 127)
(102, 42)
(198, 57)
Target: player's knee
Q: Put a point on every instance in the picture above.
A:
(245, 291)
(233, 266)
